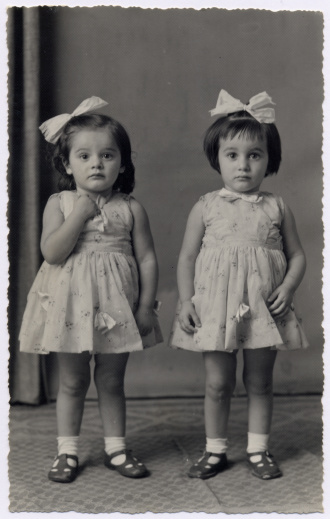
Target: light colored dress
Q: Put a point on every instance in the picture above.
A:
(240, 263)
(87, 302)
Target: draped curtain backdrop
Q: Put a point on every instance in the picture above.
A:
(26, 381)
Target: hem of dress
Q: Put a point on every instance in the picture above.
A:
(92, 352)
(277, 347)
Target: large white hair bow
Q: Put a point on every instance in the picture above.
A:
(257, 106)
(52, 128)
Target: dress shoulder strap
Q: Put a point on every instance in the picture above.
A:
(66, 202)
(206, 201)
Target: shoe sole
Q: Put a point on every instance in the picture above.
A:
(210, 474)
(138, 476)
(273, 476)
(277, 475)
(61, 480)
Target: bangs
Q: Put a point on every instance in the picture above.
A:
(245, 128)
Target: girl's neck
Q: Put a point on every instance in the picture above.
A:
(252, 192)
(93, 195)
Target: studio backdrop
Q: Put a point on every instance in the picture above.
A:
(161, 72)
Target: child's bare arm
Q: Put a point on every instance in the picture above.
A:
(145, 256)
(281, 299)
(192, 240)
(59, 236)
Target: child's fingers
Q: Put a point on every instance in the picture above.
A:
(274, 306)
(280, 310)
(275, 300)
(272, 297)
(281, 313)
(187, 324)
(196, 319)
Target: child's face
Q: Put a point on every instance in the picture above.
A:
(94, 161)
(243, 163)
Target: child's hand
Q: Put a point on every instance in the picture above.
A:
(86, 206)
(188, 318)
(280, 300)
(144, 317)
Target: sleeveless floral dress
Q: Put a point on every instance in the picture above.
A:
(87, 303)
(240, 263)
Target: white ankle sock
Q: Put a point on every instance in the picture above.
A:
(257, 442)
(67, 445)
(113, 444)
(216, 445)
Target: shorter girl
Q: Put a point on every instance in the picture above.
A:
(95, 292)
(240, 264)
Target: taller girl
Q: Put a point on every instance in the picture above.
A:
(95, 292)
(240, 264)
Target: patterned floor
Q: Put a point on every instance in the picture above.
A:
(168, 435)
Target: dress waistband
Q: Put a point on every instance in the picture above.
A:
(89, 248)
(242, 242)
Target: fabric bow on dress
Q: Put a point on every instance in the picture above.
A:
(232, 196)
(52, 128)
(101, 219)
(257, 107)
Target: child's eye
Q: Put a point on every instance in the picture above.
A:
(254, 156)
(107, 155)
(84, 156)
(231, 155)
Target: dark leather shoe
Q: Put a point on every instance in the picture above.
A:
(204, 470)
(64, 469)
(263, 465)
(131, 467)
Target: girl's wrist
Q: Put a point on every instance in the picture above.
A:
(146, 307)
(290, 286)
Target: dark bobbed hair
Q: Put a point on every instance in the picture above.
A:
(125, 181)
(244, 124)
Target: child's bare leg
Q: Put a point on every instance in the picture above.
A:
(220, 373)
(74, 380)
(109, 380)
(258, 381)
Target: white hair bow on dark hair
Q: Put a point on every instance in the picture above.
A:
(257, 106)
(52, 128)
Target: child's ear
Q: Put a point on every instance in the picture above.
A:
(122, 169)
(67, 167)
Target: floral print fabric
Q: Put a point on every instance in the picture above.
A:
(88, 302)
(239, 265)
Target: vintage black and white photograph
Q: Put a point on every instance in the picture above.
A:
(165, 255)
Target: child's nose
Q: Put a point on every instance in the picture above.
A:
(97, 162)
(243, 163)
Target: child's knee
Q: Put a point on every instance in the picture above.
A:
(110, 383)
(75, 386)
(258, 387)
(219, 391)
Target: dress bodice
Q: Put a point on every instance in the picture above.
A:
(110, 230)
(254, 220)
